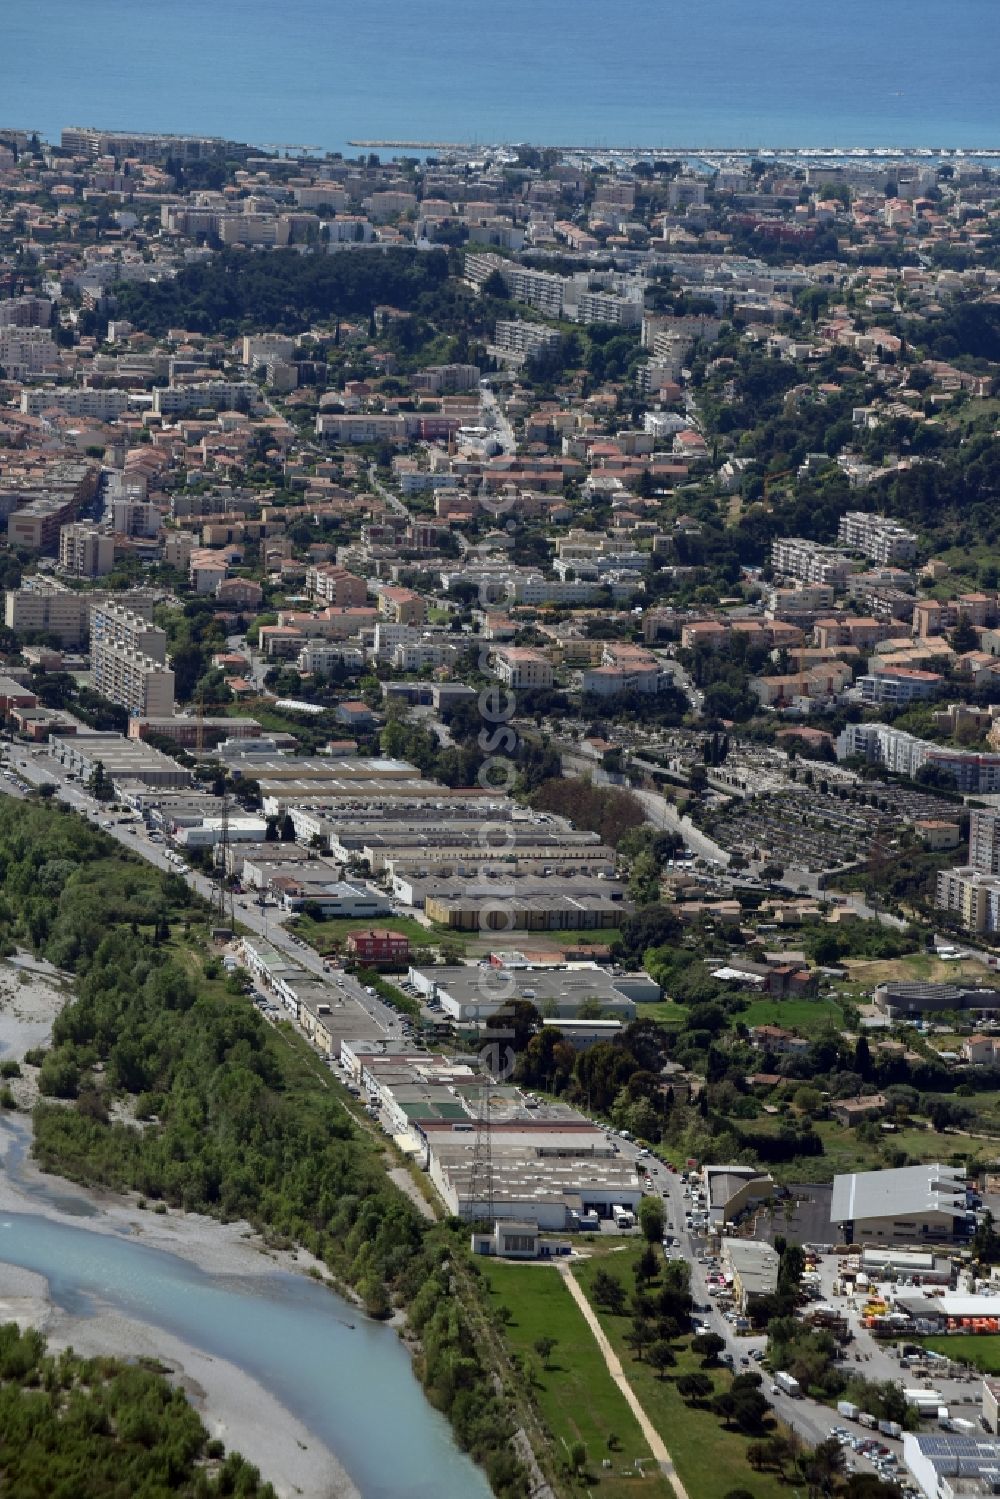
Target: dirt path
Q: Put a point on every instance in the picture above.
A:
(404, 1181)
(649, 1431)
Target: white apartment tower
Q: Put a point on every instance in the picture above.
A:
(128, 661)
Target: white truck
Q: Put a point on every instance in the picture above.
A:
(623, 1217)
(787, 1383)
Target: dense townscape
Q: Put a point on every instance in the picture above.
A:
(501, 748)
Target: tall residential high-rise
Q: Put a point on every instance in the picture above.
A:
(984, 841)
(128, 661)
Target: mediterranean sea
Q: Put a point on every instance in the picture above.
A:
(709, 73)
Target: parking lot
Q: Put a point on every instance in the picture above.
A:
(803, 1216)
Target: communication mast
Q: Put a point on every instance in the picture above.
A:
(223, 894)
(199, 741)
(481, 1186)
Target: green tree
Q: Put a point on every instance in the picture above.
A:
(662, 1357)
(639, 1336)
(693, 1387)
(709, 1345)
(651, 1219)
(609, 1292)
(545, 1347)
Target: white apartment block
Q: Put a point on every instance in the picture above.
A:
(533, 588)
(321, 195)
(262, 348)
(128, 661)
(348, 229)
(426, 652)
(134, 518)
(363, 428)
(177, 549)
(970, 895)
(447, 379)
(25, 312)
(114, 626)
(794, 557)
(60, 613)
(897, 686)
(133, 680)
(539, 289)
(604, 307)
(90, 140)
(84, 551)
(335, 585)
(25, 352)
(984, 840)
(655, 374)
(389, 636)
(229, 395)
(45, 606)
(904, 754)
(884, 541)
(382, 206)
(323, 655)
(520, 666)
(514, 336)
(102, 405)
(248, 229)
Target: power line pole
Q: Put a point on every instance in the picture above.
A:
(224, 896)
(481, 1186)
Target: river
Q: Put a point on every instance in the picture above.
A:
(347, 1380)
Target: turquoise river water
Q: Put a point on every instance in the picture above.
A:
(348, 1380)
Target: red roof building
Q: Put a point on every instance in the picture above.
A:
(379, 946)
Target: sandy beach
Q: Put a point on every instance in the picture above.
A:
(234, 1406)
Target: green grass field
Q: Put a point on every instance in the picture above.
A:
(710, 1460)
(981, 1350)
(325, 936)
(663, 1011)
(576, 1395)
(810, 1016)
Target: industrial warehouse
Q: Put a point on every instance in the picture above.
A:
(909, 1205)
(537, 1162)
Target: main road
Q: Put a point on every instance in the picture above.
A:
(267, 922)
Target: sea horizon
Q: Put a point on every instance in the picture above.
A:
(905, 75)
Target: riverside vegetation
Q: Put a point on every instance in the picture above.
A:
(232, 1119)
(97, 1426)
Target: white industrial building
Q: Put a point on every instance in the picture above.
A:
(547, 1162)
(946, 1466)
(909, 1205)
(471, 994)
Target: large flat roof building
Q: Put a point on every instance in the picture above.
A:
(946, 1466)
(471, 994)
(754, 1268)
(123, 759)
(909, 1205)
(547, 1161)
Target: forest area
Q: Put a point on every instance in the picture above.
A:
(100, 1427)
(282, 291)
